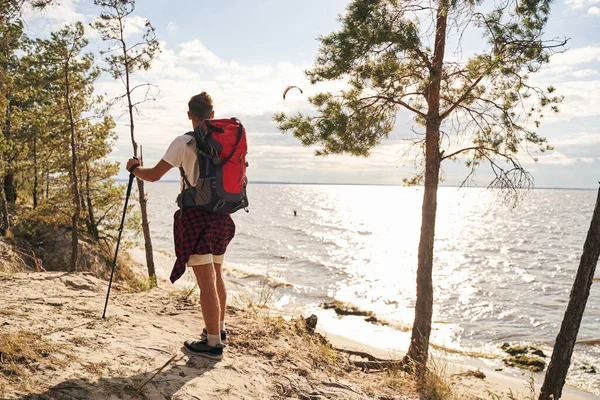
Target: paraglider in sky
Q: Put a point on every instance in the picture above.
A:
(291, 87)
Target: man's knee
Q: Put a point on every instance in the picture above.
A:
(204, 272)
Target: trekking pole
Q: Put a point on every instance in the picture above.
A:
(131, 176)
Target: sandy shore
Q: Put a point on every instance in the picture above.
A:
(500, 383)
(457, 372)
(55, 345)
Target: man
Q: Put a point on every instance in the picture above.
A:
(200, 238)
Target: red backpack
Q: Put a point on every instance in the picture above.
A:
(221, 147)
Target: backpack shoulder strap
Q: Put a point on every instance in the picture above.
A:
(240, 132)
(185, 179)
(181, 171)
(191, 135)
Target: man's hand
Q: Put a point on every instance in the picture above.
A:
(131, 162)
(149, 174)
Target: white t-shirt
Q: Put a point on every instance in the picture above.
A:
(182, 154)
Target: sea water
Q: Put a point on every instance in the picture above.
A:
(501, 274)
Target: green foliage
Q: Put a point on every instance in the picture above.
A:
(111, 24)
(123, 59)
(35, 140)
(362, 129)
(486, 109)
(482, 109)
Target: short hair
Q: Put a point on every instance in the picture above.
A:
(201, 106)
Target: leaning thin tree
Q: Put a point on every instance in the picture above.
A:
(392, 54)
(565, 341)
(124, 59)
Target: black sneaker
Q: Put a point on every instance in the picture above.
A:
(204, 336)
(202, 349)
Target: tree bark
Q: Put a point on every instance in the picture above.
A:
(74, 180)
(146, 230)
(93, 227)
(47, 185)
(565, 341)
(4, 214)
(421, 331)
(35, 172)
(140, 183)
(9, 188)
(9, 177)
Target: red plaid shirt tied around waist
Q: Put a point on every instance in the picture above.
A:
(198, 232)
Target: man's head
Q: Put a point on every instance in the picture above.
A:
(200, 107)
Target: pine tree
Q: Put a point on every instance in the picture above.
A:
(123, 60)
(11, 40)
(72, 74)
(484, 109)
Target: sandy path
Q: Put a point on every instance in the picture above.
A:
(112, 358)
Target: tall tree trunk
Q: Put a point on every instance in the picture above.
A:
(9, 177)
(146, 230)
(47, 185)
(4, 214)
(140, 183)
(35, 172)
(82, 194)
(74, 180)
(421, 331)
(9, 188)
(93, 227)
(565, 341)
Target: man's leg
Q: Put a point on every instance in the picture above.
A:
(209, 300)
(221, 290)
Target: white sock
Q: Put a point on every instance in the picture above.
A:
(214, 340)
(222, 325)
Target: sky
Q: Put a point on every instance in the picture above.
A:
(244, 53)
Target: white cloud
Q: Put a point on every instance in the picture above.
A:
(582, 99)
(594, 11)
(172, 26)
(576, 4)
(574, 148)
(575, 75)
(579, 146)
(195, 52)
(576, 56)
(253, 92)
(574, 64)
(582, 139)
(584, 73)
(579, 4)
(52, 18)
(134, 25)
(558, 158)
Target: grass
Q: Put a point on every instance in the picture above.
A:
(23, 354)
(80, 341)
(259, 304)
(185, 295)
(398, 379)
(131, 281)
(11, 312)
(474, 354)
(529, 387)
(226, 390)
(306, 351)
(95, 368)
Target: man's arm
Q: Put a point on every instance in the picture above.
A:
(149, 174)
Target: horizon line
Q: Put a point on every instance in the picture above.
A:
(370, 184)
